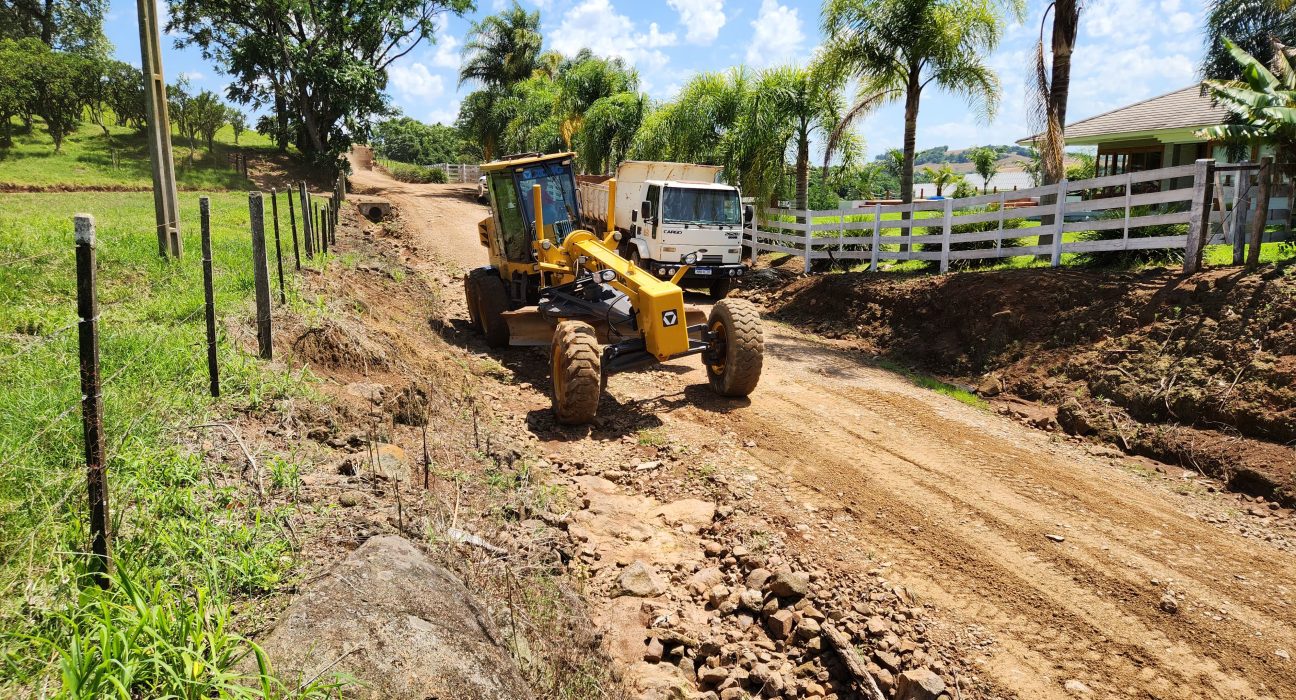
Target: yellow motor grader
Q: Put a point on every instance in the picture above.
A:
(550, 282)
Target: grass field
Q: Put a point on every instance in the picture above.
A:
(189, 542)
(86, 159)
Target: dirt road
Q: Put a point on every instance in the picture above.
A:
(1077, 567)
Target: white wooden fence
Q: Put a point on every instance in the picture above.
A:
(456, 172)
(1180, 195)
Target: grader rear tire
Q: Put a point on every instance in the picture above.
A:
(492, 302)
(575, 368)
(470, 295)
(734, 365)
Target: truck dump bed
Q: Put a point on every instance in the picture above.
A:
(630, 177)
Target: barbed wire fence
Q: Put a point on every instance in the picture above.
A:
(28, 457)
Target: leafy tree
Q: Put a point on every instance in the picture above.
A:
(897, 48)
(986, 162)
(481, 122)
(609, 129)
(586, 79)
(893, 162)
(238, 122)
(59, 83)
(502, 49)
(1251, 25)
(411, 141)
(15, 86)
(942, 177)
(67, 25)
(323, 66)
(209, 115)
(126, 93)
(807, 103)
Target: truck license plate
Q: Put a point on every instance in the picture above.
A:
(702, 270)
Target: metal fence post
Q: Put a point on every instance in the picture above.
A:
(209, 295)
(946, 226)
(261, 276)
(307, 234)
(877, 238)
(92, 401)
(324, 228)
(274, 213)
(1059, 219)
(292, 223)
(1199, 218)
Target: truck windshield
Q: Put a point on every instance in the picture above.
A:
(714, 207)
(557, 196)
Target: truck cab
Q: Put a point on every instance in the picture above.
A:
(676, 218)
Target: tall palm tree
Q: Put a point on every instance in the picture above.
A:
(942, 178)
(502, 49)
(804, 102)
(584, 80)
(609, 128)
(1051, 85)
(897, 48)
(1250, 25)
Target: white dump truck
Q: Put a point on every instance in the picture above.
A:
(666, 211)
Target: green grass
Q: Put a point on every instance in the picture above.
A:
(929, 382)
(86, 159)
(190, 539)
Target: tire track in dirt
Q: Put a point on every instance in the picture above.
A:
(962, 502)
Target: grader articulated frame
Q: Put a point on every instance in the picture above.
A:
(551, 283)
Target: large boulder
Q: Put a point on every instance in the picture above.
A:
(402, 626)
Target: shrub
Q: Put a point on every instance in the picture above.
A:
(1134, 258)
(980, 227)
(406, 172)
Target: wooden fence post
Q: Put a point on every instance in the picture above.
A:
(877, 238)
(1059, 219)
(946, 229)
(92, 401)
(209, 295)
(1199, 218)
(1262, 213)
(1234, 234)
(324, 228)
(307, 234)
(274, 213)
(1129, 194)
(261, 275)
(809, 238)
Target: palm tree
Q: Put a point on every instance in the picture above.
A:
(896, 48)
(1249, 25)
(942, 178)
(502, 49)
(586, 79)
(804, 102)
(1051, 85)
(608, 128)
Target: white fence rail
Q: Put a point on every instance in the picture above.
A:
(981, 227)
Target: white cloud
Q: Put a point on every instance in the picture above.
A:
(596, 25)
(703, 19)
(447, 46)
(778, 35)
(445, 115)
(415, 80)
(1182, 22)
(192, 76)
(1105, 77)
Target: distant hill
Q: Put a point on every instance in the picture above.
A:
(943, 154)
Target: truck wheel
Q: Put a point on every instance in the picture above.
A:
(492, 302)
(734, 363)
(637, 259)
(576, 372)
(471, 292)
(720, 288)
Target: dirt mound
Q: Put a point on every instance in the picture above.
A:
(1199, 370)
(340, 344)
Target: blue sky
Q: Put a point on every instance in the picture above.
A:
(1128, 50)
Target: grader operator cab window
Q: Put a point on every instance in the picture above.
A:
(514, 238)
(557, 196)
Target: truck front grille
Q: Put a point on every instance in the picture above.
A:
(712, 259)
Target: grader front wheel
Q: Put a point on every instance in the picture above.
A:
(575, 367)
(734, 363)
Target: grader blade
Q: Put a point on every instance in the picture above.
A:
(528, 327)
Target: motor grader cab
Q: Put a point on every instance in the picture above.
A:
(550, 282)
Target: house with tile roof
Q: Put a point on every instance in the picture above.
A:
(1158, 132)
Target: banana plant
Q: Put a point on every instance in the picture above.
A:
(1262, 104)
